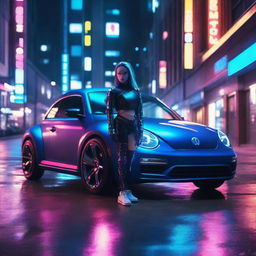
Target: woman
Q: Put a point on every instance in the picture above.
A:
(126, 128)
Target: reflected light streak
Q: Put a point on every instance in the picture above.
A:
(215, 230)
(104, 237)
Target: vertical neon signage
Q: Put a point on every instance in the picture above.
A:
(188, 34)
(19, 52)
(213, 22)
(162, 74)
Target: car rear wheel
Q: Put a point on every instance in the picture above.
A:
(29, 162)
(208, 184)
(95, 166)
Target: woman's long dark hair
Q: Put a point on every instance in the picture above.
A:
(131, 79)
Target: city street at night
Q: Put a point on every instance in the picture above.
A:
(127, 128)
(56, 216)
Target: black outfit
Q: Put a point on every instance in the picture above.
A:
(123, 97)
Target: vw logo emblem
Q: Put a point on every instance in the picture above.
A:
(195, 141)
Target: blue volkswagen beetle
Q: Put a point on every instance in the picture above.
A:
(73, 138)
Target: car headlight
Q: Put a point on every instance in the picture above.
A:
(149, 140)
(224, 138)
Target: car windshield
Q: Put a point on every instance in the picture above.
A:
(152, 107)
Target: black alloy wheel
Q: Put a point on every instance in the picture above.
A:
(208, 184)
(95, 166)
(29, 163)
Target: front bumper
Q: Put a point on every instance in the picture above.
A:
(181, 165)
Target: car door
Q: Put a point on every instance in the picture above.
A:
(62, 133)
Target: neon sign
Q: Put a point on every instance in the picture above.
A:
(188, 34)
(19, 52)
(213, 22)
(162, 74)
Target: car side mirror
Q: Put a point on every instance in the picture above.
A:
(74, 112)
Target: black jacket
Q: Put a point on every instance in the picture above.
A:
(119, 98)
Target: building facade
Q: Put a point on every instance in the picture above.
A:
(202, 60)
(20, 104)
(96, 36)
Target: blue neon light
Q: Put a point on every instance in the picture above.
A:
(115, 12)
(244, 59)
(112, 53)
(65, 72)
(221, 64)
(77, 5)
(76, 50)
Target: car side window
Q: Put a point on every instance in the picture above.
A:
(58, 110)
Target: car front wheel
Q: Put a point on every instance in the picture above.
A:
(29, 163)
(208, 184)
(95, 166)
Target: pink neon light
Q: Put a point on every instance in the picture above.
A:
(213, 22)
(165, 35)
(21, 42)
(61, 165)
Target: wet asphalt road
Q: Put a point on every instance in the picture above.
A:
(55, 216)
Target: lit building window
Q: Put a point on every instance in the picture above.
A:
(76, 50)
(165, 35)
(114, 12)
(216, 114)
(88, 84)
(109, 73)
(112, 53)
(87, 26)
(253, 94)
(77, 5)
(42, 90)
(48, 94)
(44, 48)
(155, 5)
(87, 63)
(87, 40)
(108, 84)
(112, 29)
(45, 61)
(75, 28)
(153, 84)
(75, 84)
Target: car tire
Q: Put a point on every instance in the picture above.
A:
(208, 184)
(30, 167)
(95, 166)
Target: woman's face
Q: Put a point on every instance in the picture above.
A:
(122, 74)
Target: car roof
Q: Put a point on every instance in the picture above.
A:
(97, 89)
(84, 91)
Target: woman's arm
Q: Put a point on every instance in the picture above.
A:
(139, 114)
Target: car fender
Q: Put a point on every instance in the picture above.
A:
(35, 135)
(92, 134)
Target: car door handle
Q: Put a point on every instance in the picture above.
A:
(53, 129)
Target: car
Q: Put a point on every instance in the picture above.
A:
(73, 138)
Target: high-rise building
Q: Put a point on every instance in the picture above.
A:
(96, 36)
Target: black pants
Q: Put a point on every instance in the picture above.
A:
(123, 127)
(125, 157)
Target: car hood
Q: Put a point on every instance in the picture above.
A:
(182, 134)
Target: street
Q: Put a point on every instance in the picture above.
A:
(56, 216)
